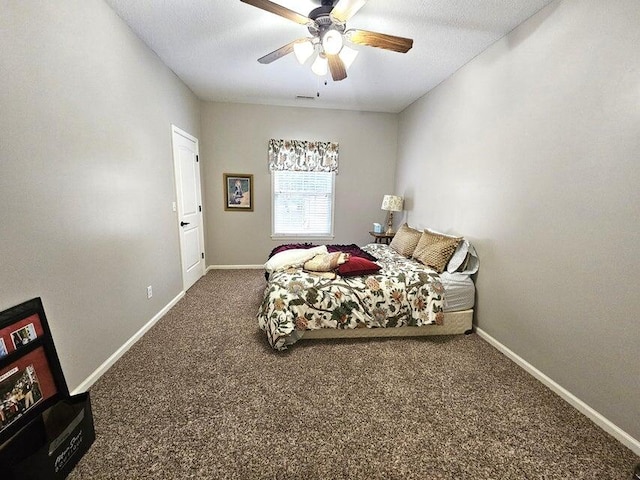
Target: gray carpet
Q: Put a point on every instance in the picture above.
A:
(202, 395)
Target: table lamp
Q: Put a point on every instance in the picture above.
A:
(391, 203)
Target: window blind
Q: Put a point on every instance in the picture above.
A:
(302, 203)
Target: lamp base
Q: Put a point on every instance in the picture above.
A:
(390, 225)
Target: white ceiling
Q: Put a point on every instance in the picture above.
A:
(213, 46)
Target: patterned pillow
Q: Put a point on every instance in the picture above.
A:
(434, 250)
(326, 262)
(405, 240)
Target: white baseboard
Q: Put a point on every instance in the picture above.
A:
(235, 267)
(601, 421)
(98, 372)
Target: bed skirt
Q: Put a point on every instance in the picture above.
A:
(455, 323)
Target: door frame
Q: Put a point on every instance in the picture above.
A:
(177, 131)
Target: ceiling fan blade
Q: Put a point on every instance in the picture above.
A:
(279, 10)
(279, 53)
(345, 9)
(336, 67)
(380, 40)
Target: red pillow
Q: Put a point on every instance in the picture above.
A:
(358, 266)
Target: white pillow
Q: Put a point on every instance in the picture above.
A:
(464, 252)
(458, 256)
(294, 257)
(473, 264)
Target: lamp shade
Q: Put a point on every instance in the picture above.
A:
(320, 65)
(392, 203)
(303, 50)
(347, 55)
(332, 42)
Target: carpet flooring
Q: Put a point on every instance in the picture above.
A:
(202, 395)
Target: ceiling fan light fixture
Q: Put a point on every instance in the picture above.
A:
(332, 42)
(347, 55)
(320, 66)
(326, 50)
(303, 50)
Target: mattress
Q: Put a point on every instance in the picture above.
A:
(459, 291)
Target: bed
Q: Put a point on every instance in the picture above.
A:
(375, 291)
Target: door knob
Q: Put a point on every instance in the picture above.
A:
(182, 224)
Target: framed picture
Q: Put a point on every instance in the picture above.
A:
(238, 192)
(31, 378)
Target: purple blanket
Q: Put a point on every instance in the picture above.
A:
(351, 249)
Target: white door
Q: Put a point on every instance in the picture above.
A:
(187, 171)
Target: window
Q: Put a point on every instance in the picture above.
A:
(302, 203)
(302, 188)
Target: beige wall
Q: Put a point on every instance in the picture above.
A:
(234, 140)
(532, 151)
(86, 175)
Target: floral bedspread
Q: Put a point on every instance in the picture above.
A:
(403, 292)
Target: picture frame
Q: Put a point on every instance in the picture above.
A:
(31, 377)
(238, 192)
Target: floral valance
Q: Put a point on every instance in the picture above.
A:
(299, 155)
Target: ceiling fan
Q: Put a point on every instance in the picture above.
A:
(327, 26)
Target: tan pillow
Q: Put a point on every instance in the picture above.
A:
(405, 240)
(434, 250)
(325, 262)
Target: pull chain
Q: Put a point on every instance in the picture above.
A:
(318, 88)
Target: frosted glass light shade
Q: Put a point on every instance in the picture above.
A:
(332, 42)
(347, 55)
(392, 203)
(303, 50)
(320, 66)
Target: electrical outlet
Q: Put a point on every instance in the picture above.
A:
(149, 292)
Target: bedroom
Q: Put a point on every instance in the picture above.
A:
(87, 184)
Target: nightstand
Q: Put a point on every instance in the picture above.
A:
(382, 237)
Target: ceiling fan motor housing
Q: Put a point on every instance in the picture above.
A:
(323, 21)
